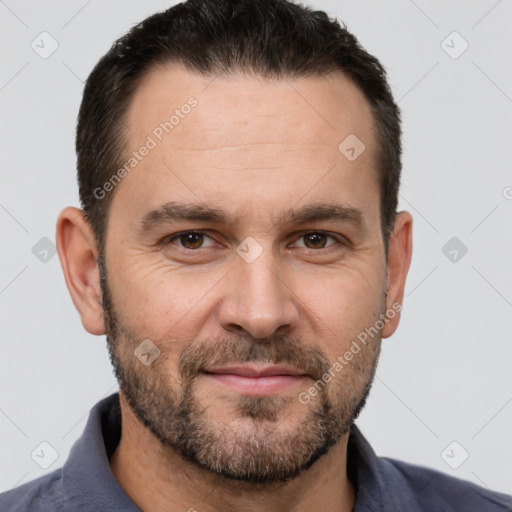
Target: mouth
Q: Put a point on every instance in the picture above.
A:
(256, 380)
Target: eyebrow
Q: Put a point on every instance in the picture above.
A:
(174, 211)
(323, 212)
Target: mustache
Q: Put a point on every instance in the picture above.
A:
(200, 356)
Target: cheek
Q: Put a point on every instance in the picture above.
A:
(158, 301)
(345, 305)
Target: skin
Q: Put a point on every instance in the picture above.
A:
(255, 149)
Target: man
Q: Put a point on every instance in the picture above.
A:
(239, 245)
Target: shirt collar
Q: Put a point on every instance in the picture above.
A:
(87, 470)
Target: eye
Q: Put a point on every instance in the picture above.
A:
(190, 239)
(193, 240)
(317, 240)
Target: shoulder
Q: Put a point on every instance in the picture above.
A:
(39, 495)
(433, 490)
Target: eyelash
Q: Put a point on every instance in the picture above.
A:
(170, 239)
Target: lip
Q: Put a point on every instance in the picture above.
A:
(247, 370)
(256, 380)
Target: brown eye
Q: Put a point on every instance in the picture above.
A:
(190, 240)
(315, 240)
(319, 240)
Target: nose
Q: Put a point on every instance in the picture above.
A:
(258, 300)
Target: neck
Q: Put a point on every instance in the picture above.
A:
(158, 479)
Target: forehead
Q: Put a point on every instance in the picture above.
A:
(244, 135)
(321, 109)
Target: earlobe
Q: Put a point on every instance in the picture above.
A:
(78, 257)
(399, 261)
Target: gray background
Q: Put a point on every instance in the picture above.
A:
(443, 377)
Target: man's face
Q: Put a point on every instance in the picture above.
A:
(297, 292)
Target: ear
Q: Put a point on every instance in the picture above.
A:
(78, 255)
(399, 260)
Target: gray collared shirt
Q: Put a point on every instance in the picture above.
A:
(85, 483)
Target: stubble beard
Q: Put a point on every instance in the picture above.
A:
(268, 442)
